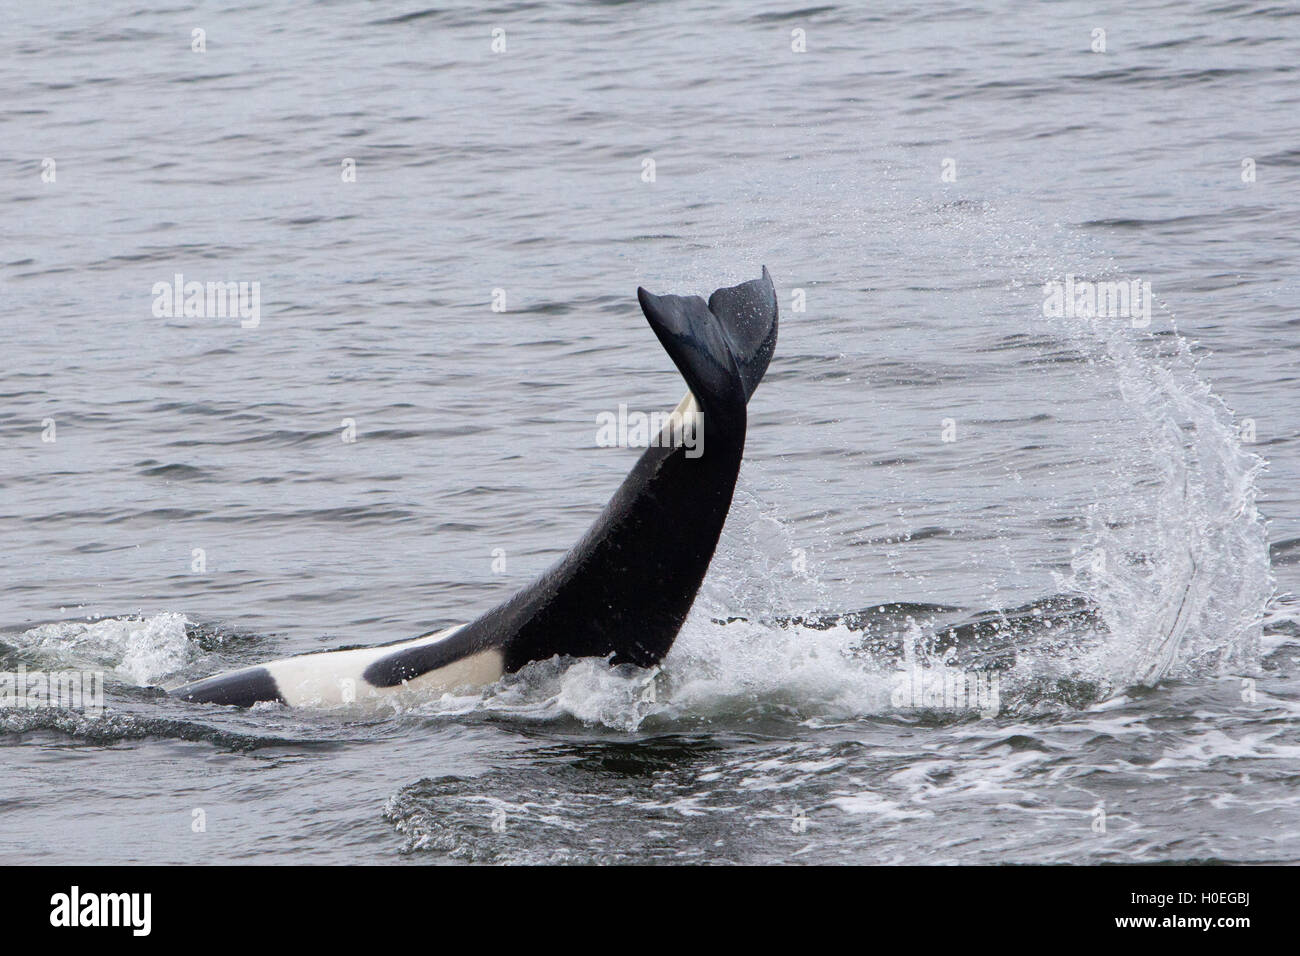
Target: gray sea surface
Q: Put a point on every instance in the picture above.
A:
(941, 479)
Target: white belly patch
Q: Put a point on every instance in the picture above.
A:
(334, 678)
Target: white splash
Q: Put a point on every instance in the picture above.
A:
(141, 650)
(1180, 565)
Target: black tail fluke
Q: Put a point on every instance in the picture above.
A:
(720, 344)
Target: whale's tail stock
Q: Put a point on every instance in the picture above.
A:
(624, 590)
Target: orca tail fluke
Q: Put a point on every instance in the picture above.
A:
(719, 345)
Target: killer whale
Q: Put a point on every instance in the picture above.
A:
(624, 590)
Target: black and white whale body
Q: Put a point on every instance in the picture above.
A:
(624, 590)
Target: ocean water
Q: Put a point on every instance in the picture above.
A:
(1101, 514)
